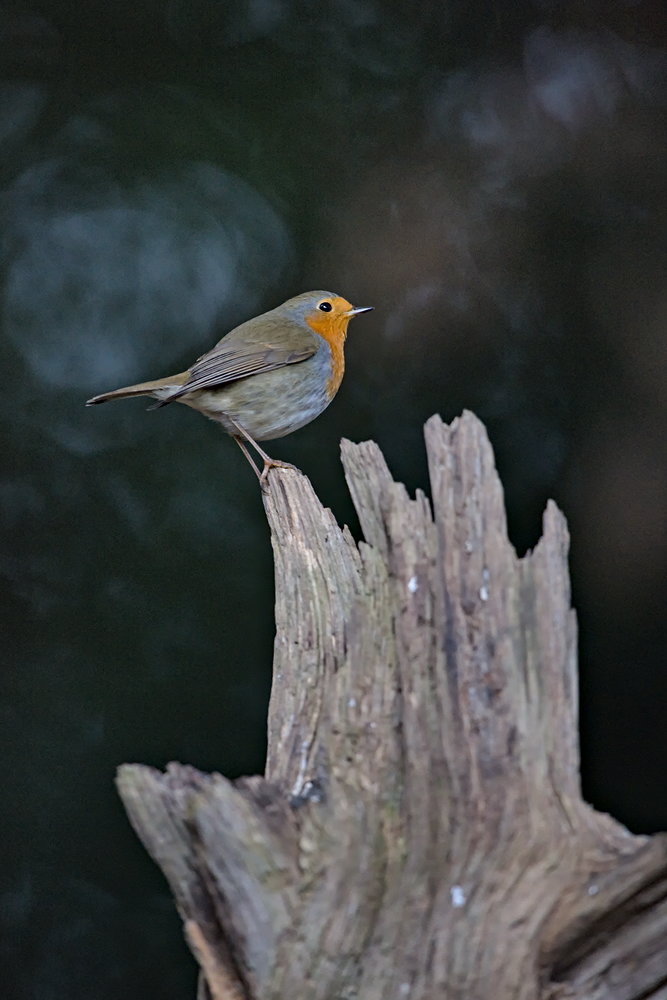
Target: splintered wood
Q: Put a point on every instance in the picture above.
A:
(419, 833)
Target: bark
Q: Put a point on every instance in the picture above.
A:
(420, 831)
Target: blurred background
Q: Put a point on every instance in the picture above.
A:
(492, 178)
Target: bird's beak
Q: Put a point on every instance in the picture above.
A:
(355, 310)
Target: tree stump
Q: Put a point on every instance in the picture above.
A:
(420, 831)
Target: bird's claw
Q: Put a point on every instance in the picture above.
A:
(273, 464)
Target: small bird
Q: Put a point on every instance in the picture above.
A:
(265, 378)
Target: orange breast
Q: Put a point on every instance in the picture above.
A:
(333, 329)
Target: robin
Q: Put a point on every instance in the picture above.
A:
(265, 378)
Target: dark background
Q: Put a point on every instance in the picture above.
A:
(492, 178)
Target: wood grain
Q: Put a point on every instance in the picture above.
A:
(419, 832)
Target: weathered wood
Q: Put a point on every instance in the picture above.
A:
(420, 831)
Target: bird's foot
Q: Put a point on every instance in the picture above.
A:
(273, 463)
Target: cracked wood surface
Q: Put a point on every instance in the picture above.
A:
(419, 832)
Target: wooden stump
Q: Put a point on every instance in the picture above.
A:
(420, 831)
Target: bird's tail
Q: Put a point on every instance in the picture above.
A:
(158, 389)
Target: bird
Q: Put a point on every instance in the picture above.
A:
(267, 377)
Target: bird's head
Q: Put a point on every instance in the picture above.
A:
(326, 313)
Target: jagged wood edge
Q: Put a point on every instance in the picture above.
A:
(298, 513)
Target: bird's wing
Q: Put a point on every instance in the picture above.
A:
(229, 362)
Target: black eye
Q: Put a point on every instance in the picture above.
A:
(325, 307)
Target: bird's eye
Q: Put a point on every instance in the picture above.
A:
(325, 307)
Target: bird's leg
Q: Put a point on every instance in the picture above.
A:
(269, 463)
(241, 443)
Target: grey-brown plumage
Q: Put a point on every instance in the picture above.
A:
(268, 376)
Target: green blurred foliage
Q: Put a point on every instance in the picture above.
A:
(491, 178)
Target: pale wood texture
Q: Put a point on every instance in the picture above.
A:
(420, 831)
